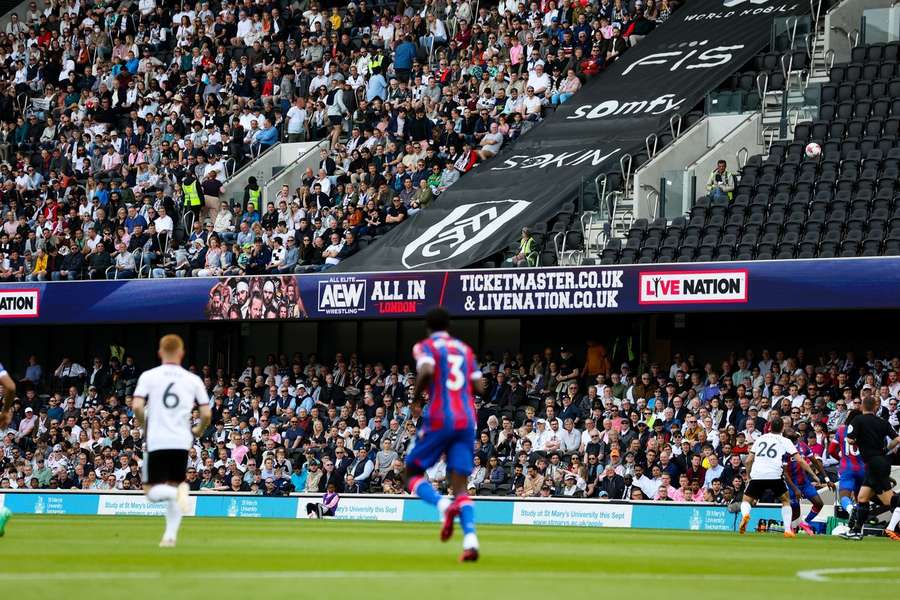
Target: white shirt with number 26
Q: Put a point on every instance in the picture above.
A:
(770, 450)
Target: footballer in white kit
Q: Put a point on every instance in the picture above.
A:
(163, 402)
(766, 465)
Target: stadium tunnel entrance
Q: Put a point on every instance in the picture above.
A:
(637, 339)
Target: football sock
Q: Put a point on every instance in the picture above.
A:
(424, 490)
(162, 492)
(173, 519)
(862, 515)
(443, 504)
(466, 514)
(786, 513)
(745, 508)
(895, 518)
(470, 541)
(813, 513)
(846, 502)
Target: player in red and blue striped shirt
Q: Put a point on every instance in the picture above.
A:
(448, 374)
(800, 486)
(851, 469)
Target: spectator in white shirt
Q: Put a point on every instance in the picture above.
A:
(163, 222)
(539, 81)
(296, 125)
(531, 105)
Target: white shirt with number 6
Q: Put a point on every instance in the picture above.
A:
(769, 451)
(169, 392)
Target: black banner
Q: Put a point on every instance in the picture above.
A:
(669, 72)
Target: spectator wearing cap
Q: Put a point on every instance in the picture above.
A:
(26, 425)
(570, 487)
(314, 476)
(758, 422)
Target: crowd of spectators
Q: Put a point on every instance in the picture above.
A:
(553, 424)
(117, 118)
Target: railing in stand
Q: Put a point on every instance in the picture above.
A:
(626, 171)
(651, 149)
(741, 157)
(675, 125)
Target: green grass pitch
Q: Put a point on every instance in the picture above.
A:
(117, 557)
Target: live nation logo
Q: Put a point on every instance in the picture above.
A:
(19, 304)
(696, 287)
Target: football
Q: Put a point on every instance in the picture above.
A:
(813, 150)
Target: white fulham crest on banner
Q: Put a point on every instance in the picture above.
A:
(465, 227)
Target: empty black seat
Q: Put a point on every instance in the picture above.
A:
(627, 257)
(647, 253)
(894, 88)
(849, 248)
(831, 236)
(891, 51)
(870, 71)
(657, 226)
(855, 127)
(862, 90)
(881, 108)
(845, 91)
(828, 110)
(874, 126)
(790, 237)
(837, 73)
(875, 53)
(686, 254)
(870, 248)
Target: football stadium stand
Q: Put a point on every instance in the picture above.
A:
(159, 141)
(552, 424)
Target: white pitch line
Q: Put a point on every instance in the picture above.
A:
(821, 575)
(817, 575)
(37, 577)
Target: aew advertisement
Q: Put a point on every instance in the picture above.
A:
(843, 283)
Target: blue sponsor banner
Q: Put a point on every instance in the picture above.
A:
(493, 512)
(52, 503)
(246, 506)
(847, 283)
(701, 517)
(552, 511)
